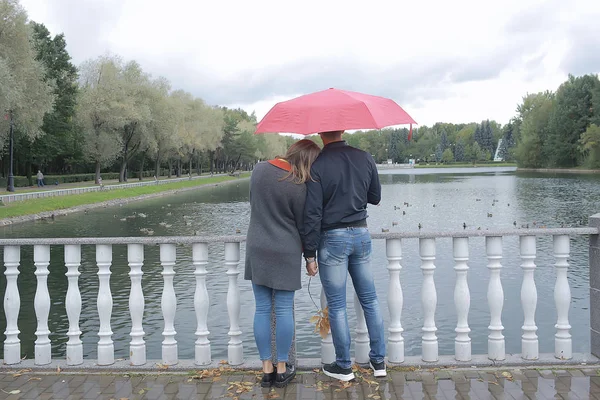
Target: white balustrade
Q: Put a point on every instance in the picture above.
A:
(495, 297)
(362, 334)
(106, 348)
(200, 257)
(327, 349)
(462, 299)
(529, 339)
(137, 346)
(428, 300)
(201, 303)
(235, 349)
(563, 348)
(73, 304)
(168, 304)
(12, 305)
(393, 249)
(41, 303)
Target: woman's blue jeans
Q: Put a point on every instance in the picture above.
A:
(284, 314)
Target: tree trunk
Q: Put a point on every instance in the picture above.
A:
(170, 167)
(97, 178)
(28, 172)
(141, 174)
(190, 166)
(123, 171)
(211, 156)
(198, 165)
(179, 167)
(157, 166)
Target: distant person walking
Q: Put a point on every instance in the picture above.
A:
(40, 179)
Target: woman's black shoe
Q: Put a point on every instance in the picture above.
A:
(283, 379)
(268, 379)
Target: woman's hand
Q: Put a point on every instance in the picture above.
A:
(311, 267)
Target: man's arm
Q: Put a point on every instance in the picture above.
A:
(374, 193)
(313, 213)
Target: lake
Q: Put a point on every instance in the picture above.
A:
(439, 199)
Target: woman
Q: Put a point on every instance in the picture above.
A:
(274, 252)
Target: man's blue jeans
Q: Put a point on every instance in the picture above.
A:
(342, 251)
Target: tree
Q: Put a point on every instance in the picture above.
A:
(477, 153)
(459, 151)
(488, 144)
(99, 111)
(24, 88)
(534, 117)
(589, 145)
(60, 143)
(572, 114)
(134, 98)
(444, 141)
(508, 142)
(447, 156)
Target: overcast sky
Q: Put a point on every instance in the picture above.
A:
(450, 61)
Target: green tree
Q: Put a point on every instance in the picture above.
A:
(99, 111)
(24, 88)
(477, 153)
(447, 156)
(589, 145)
(534, 117)
(61, 142)
(572, 114)
(459, 151)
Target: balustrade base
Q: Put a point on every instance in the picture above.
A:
(304, 364)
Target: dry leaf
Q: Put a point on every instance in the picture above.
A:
(16, 391)
(34, 379)
(58, 369)
(321, 321)
(223, 362)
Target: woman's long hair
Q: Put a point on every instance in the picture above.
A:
(301, 155)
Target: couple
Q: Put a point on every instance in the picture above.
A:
(312, 201)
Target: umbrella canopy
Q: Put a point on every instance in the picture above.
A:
(333, 110)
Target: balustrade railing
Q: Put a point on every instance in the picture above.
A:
(235, 350)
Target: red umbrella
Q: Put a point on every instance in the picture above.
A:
(333, 110)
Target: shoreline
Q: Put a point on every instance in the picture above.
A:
(560, 170)
(106, 204)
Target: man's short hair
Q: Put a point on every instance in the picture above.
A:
(331, 134)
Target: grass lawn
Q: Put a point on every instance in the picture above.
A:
(466, 165)
(34, 206)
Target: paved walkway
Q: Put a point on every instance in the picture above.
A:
(571, 383)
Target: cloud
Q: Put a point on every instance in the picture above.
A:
(85, 24)
(582, 56)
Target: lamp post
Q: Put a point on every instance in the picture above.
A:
(11, 179)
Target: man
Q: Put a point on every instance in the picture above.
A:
(344, 180)
(40, 179)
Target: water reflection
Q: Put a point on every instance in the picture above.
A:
(436, 201)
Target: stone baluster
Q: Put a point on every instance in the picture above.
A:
(235, 348)
(495, 297)
(201, 303)
(393, 250)
(428, 300)
(137, 346)
(73, 304)
(106, 348)
(12, 305)
(529, 339)
(327, 349)
(362, 334)
(563, 348)
(462, 299)
(168, 304)
(43, 347)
